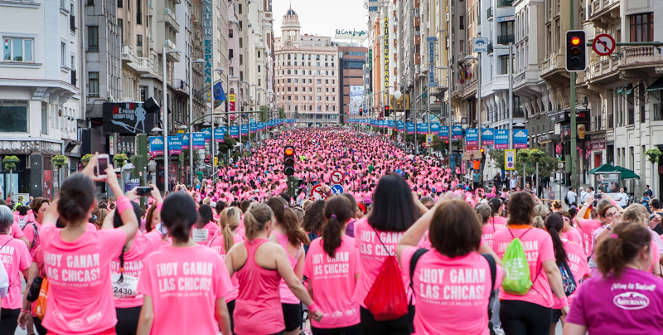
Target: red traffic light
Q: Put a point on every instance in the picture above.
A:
(482, 150)
(575, 40)
(289, 151)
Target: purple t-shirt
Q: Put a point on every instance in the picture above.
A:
(630, 304)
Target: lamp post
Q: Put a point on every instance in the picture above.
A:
(242, 83)
(164, 111)
(197, 61)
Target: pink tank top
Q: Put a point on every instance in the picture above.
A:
(258, 305)
(287, 297)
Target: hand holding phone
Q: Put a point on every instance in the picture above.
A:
(143, 190)
(102, 165)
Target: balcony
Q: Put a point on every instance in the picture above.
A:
(489, 13)
(169, 18)
(604, 12)
(641, 57)
(505, 39)
(128, 54)
(552, 65)
(144, 65)
(172, 56)
(604, 67)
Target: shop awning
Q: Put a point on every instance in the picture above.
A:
(607, 168)
(656, 86)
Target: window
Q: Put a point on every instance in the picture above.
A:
(143, 93)
(505, 32)
(504, 63)
(63, 4)
(93, 84)
(16, 49)
(461, 22)
(44, 118)
(93, 38)
(139, 12)
(119, 3)
(630, 106)
(642, 27)
(139, 45)
(120, 24)
(89, 3)
(63, 54)
(230, 33)
(14, 116)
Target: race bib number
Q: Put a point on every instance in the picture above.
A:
(127, 288)
(200, 235)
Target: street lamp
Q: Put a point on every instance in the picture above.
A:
(197, 61)
(164, 112)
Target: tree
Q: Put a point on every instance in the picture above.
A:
(86, 158)
(281, 113)
(264, 113)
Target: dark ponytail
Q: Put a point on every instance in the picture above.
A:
(288, 220)
(338, 210)
(554, 224)
(179, 214)
(616, 250)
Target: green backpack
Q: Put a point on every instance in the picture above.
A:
(517, 278)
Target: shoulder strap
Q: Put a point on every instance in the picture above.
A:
(493, 269)
(493, 275)
(413, 262)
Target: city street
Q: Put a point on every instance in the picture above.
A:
(368, 166)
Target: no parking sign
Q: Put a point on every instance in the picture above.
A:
(337, 177)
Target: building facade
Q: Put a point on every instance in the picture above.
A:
(40, 93)
(306, 75)
(351, 78)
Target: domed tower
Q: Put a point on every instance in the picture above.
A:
(290, 27)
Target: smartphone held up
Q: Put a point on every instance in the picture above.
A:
(102, 165)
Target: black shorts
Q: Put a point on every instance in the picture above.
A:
(350, 330)
(556, 315)
(127, 320)
(293, 316)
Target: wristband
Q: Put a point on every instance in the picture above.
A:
(313, 308)
(122, 204)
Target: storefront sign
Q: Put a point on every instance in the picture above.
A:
(127, 118)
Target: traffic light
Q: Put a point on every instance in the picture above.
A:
(386, 111)
(576, 51)
(361, 112)
(289, 161)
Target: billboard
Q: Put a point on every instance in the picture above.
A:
(356, 99)
(351, 34)
(127, 118)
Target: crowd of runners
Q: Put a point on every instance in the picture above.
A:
(406, 248)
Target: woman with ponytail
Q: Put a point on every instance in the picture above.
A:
(571, 260)
(331, 271)
(625, 298)
(260, 265)
(222, 242)
(289, 234)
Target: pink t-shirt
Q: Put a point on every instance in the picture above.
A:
(577, 261)
(125, 291)
(629, 304)
(16, 259)
(488, 231)
(16, 231)
(80, 295)
(572, 235)
(217, 244)
(287, 297)
(372, 254)
(333, 283)
(452, 294)
(32, 235)
(184, 284)
(203, 235)
(538, 247)
(587, 227)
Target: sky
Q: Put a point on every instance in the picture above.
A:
(322, 17)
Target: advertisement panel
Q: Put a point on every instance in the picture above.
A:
(356, 99)
(502, 139)
(156, 145)
(127, 118)
(457, 132)
(487, 136)
(471, 139)
(520, 138)
(444, 132)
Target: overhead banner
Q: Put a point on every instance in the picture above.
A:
(174, 144)
(219, 134)
(422, 128)
(487, 136)
(231, 104)
(444, 132)
(219, 94)
(435, 127)
(156, 145)
(520, 138)
(207, 134)
(410, 127)
(185, 141)
(198, 141)
(471, 139)
(457, 132)
(502, 139)
(234, 131)
(245, 129)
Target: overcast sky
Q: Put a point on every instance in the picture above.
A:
(322, 17)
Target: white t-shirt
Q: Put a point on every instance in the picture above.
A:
(571, 196)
